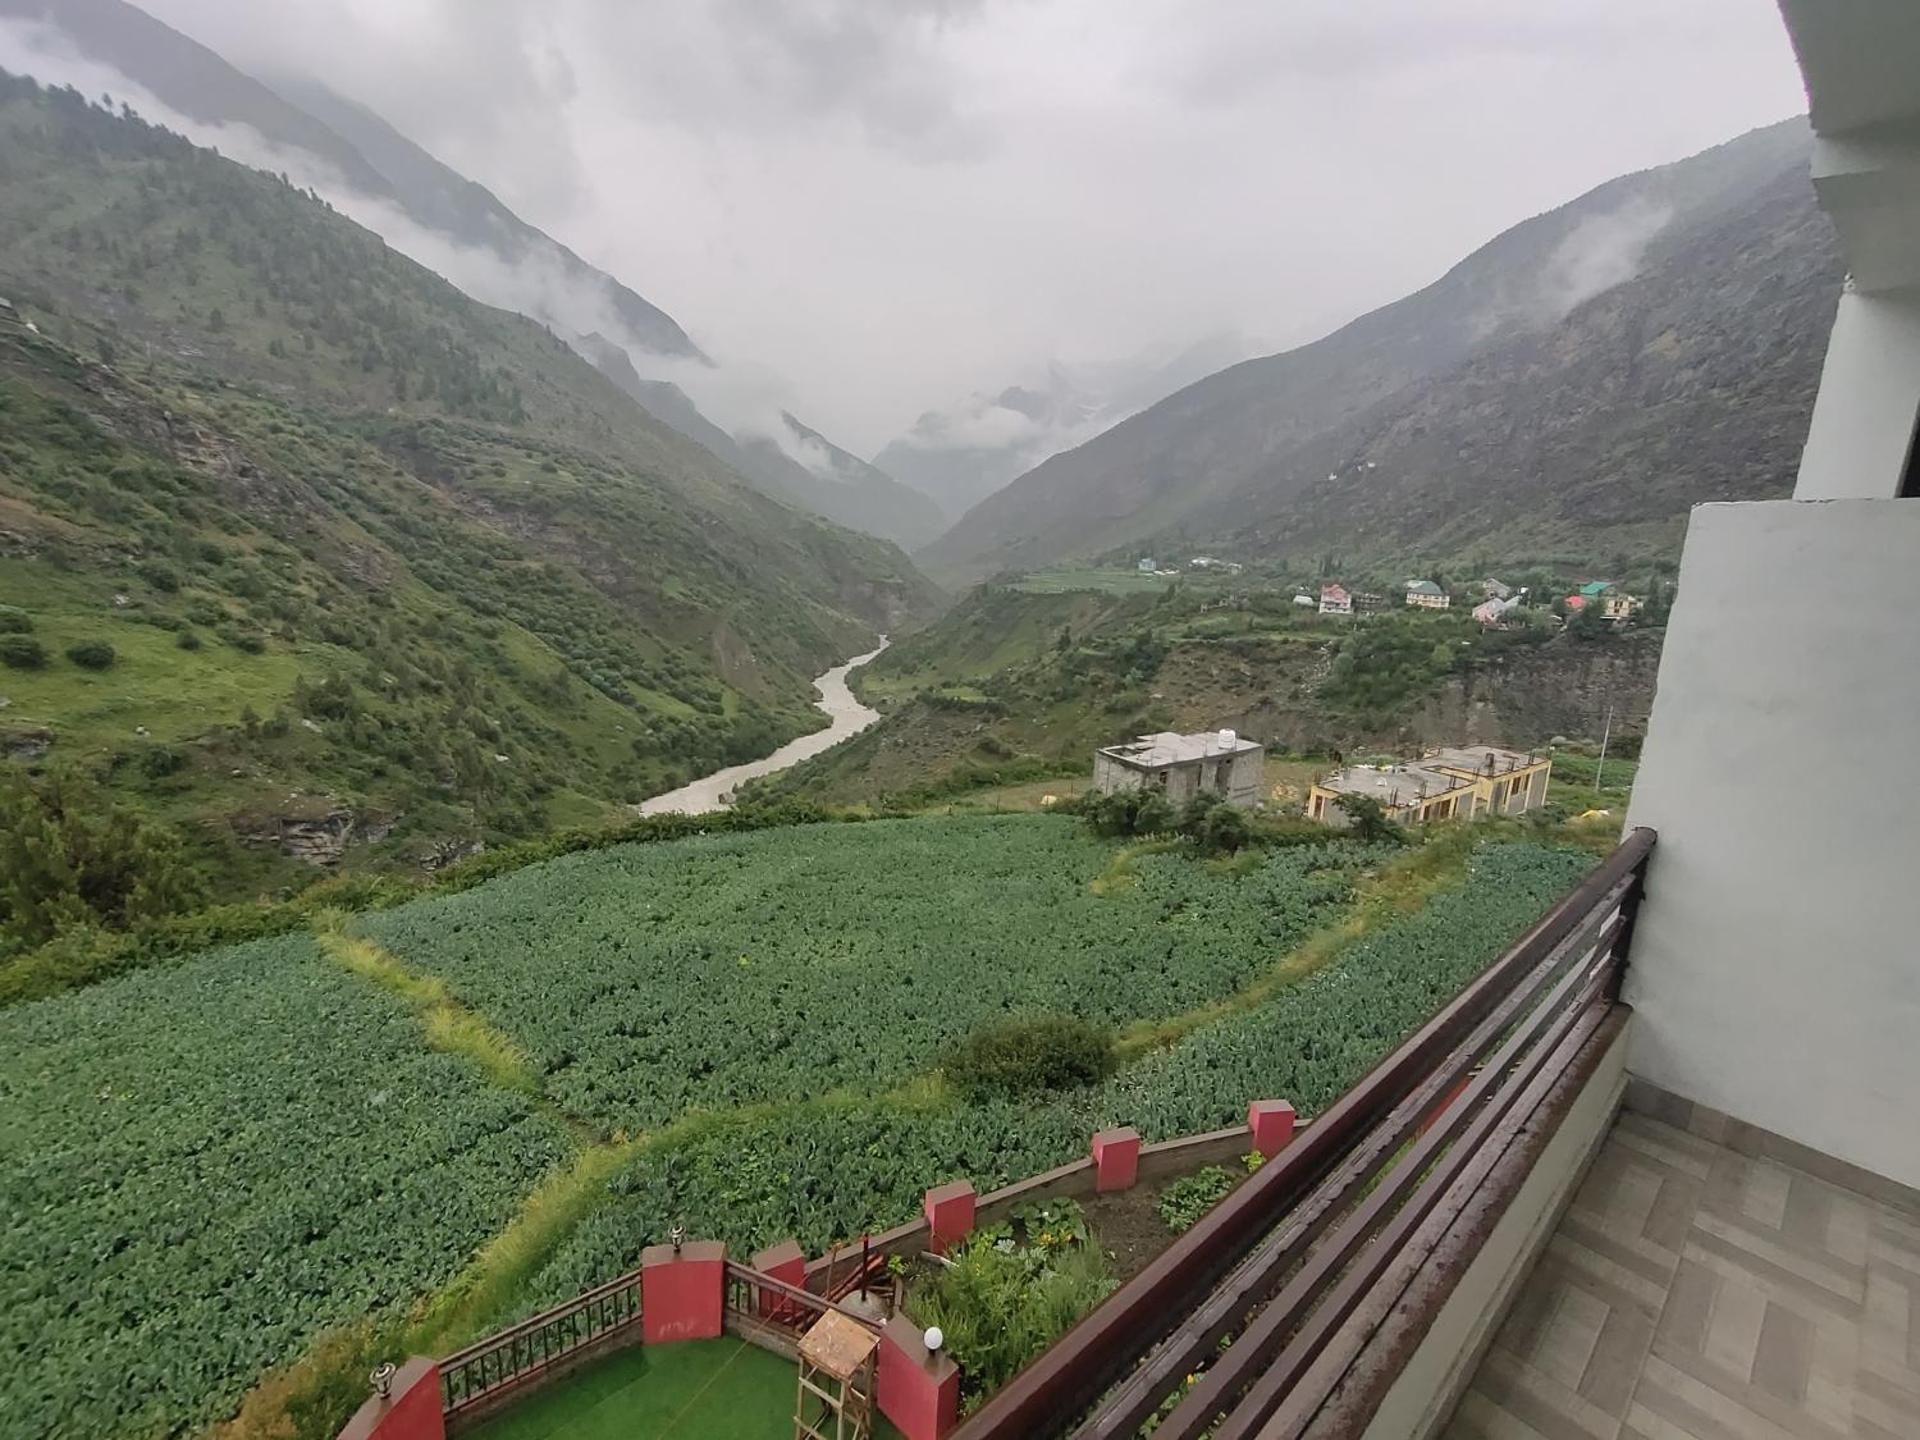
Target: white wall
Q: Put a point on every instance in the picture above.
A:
(1863, 418)
(1776, 962)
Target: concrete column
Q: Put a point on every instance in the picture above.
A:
(1116, 1159)
(918, 1390)
(411, 1410)
(949, 1211)
(1863, 418)
(683, 1292)
(1271, 1122)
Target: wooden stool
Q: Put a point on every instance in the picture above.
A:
(836, 1370)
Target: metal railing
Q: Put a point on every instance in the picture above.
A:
(517, 1355)
(757, 1303)
(1285, 1260)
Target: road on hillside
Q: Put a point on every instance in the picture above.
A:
(837, 702)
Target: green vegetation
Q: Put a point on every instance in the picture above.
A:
(220, 1160)
(1191, 1196)
(358, 550)
(1012, 1290)
(70, 859)
(734, 969)
(1012, 1058)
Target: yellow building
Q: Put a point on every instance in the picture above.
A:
(1455, 783)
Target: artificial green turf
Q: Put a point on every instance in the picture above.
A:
(697, 1390)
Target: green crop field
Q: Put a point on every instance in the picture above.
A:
(648, 980)
(211, 1164)
(208, 1164)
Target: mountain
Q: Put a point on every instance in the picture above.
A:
(1213, 454)
(818, 475)
(959, 457)
(459, 228)
(377, 569)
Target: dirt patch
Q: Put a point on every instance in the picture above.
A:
(1128, 1227)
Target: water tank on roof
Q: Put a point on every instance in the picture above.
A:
(1227, 739)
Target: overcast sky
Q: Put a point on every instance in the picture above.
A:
(898, 202)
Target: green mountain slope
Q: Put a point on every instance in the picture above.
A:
(1223, 438)
(409, 535)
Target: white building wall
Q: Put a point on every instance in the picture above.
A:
(1776, 962)
(1863, 419)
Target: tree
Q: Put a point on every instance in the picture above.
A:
(70, 857)
(1369, 822)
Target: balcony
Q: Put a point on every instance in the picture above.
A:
(1479, 1240)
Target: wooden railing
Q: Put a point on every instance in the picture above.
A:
(600, 1318)
(1278, 1267)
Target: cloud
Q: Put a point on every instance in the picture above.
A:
(1601, 252)
(898, 202)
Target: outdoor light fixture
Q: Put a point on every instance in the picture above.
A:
(678, 1237)
(934, 1338)
(382, 1379)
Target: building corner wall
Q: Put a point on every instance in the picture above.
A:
(1773, 968)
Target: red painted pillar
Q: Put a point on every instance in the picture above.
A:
(1271, 1122)
(949, 1210)
(785, 1262)
(917, 1389)
(411, 1410)
(682, 1292)
(1116, 1159)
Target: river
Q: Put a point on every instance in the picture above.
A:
(837, 702)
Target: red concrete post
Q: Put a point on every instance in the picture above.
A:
(785, 1262)
(682, 1292)
(1271, 1122)
(1116, 1159)
(917, 1389)
(410, 1411)
(949, 1210)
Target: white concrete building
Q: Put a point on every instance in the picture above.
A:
(1182, 766)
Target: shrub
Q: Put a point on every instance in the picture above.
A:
(160, 575)
(188, 640)
(14, 620)
(91, 654)
(1215, 826)
(1012, 1291)
(1021, 1057)
(1191, 1196)
(1370, 822)
(1128, 812)
(21, 652)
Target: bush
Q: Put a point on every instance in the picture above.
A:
(160, 575)
(1188, 1198)
(1022, 1057)
(1127, 812)
(91, 654)
(1012, 1291)
(188, 640)
(1215, 826)
(14, 620)
(21, 652)
(1369, 822)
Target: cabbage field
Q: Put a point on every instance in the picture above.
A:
(200, 1167)
(763, 1177)
(649, 980)
(204, 1166)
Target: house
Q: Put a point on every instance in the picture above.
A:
(1456, 783)
(1334, 600)
(1425, 595)
(1146, 566)
(1614, 603)
(1494, 611)
(1370, 602)
(1495, 590)
(1214, 762)
(1304, 600)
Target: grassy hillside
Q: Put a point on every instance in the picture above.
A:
(1018, 683)
(374, 562)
